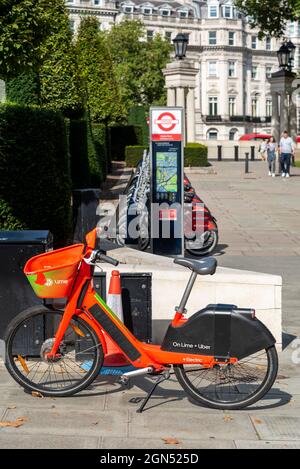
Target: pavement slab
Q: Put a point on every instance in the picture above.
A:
(77, 422)
(277, 427)
(160, 443)
(191, 425)
(46, 441)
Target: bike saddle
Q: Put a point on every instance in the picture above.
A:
(202, 267)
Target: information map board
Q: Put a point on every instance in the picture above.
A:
(167, 138)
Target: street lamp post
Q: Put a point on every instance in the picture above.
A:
(180, 77)
(284, 113)
(180, 43)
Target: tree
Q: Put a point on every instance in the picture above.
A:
(95, 66)
(24, 26)
(152, 82)
(271, 16)
(138, 63)
(61, 87)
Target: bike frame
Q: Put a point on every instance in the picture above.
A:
(90, 307)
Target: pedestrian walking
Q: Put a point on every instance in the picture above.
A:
(287, 150)
(262, 150)
(272, 150)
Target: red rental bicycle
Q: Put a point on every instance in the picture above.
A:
(222, 356)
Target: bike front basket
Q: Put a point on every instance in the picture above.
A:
(52, 274)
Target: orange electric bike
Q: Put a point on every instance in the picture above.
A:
(222, 356)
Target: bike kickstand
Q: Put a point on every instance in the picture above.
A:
(159, 380)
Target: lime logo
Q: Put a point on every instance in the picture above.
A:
(166, 121)
(49, 282)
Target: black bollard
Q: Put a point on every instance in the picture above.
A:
(252, 153)
(247, 163)
(236, 153)
(219, 152)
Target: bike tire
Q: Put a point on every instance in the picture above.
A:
(26, 383)
(205, 250)
(261, 391)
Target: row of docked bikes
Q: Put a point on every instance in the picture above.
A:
(200, 226)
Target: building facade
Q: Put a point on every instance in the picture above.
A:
(232, 91)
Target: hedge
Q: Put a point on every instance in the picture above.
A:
(97, 153)
(35, 184)
(78, 148)
(87, 148)
(137, 117)
(123, 136)
(133, 154)
(23, 89)
(195, 154)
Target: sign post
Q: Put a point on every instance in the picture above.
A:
(167, 166)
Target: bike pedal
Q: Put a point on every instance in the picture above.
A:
(124, 380)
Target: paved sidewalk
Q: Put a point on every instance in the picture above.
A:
(259, 226)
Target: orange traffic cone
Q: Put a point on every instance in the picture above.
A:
(114, 355)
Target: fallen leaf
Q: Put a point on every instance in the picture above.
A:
(171, 441)
(227, 418)
(11, 407)
(37, 394)
(16, 423)
(258, 421)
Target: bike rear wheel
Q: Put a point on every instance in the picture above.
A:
(230, 387)
(30, 337)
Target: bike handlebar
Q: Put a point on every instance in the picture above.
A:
(99, 256)
(108, 259)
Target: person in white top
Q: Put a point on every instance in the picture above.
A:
(287, 150)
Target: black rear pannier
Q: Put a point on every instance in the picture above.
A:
(222, 331)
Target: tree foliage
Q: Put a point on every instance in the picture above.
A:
(102, 91)
(61, 88)
(24, 27)
(270, 16)
(138, 64)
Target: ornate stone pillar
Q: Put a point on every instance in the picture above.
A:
(284, 112)
(171, 97)
(180, 77)
(190, 115)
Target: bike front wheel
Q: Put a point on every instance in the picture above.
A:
(29, 339)
(230, 387)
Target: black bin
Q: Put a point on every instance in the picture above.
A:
(16, 294)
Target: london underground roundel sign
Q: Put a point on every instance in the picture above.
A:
(166, 125)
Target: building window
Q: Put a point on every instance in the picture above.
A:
(212, 134)
(128, 9)
(254, 42)
(231, 69)
(254, 72)
(269, 107)
(254, 107)
(212, 69)
(232, 102)
(97, 3)
(292, 28)
(213, 11)
(149, 35)
(212, 106)
(168, 36)
(268, 43)
(183, 13)
(212, 38)
(227, 11)
(233, 134)
(231, 38)
(268, 71)
(165, 12)
(147, 11)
